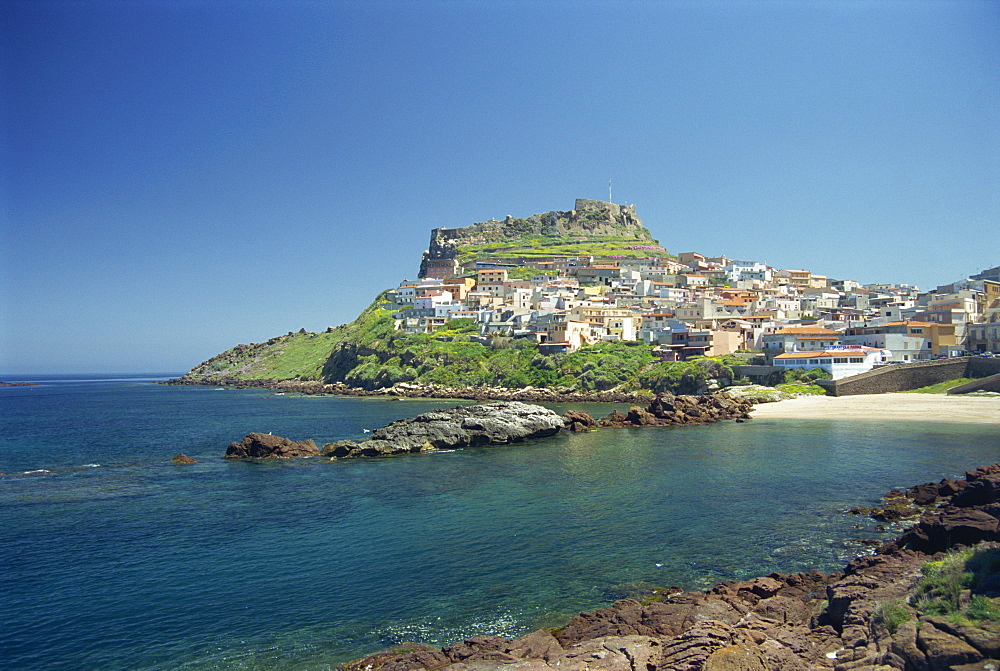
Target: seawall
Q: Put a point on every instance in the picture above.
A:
(888, 379)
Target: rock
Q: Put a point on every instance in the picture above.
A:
(341, 448)
(943, 651)
(987, 642)
(955, 526)
(496, 423)
(641, 417)
(784, 609)
(756, 393)
(925, 494)
(611, 653)
(691, 650)
(736, 658)
(667, 410)
(538, 644)
(894, 513)
(579, 421)
(266, 446)
(983, 491)
(404, 657)
(478, 647)
(183, 459)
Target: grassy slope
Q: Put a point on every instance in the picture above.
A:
(940, 387)
(298, 355)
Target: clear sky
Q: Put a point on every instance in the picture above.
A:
(182, 176)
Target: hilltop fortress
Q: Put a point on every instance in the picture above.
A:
(587, 220)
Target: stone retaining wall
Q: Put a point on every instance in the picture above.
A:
(991, 383)
(902, 377)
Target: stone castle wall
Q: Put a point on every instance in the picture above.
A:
(614, 220)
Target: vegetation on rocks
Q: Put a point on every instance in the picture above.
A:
(805, 376)
(801, 389)
(949, 586)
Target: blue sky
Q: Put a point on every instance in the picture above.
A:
(179, 177)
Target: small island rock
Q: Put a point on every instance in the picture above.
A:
(183, 459)
(266, 446)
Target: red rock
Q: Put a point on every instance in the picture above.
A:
(266, 446)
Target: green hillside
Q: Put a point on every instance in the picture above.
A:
(370, 354)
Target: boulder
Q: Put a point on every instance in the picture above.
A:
(984, 490)
(266, 446)
(183, 459)
(579, 421)
(954, 526)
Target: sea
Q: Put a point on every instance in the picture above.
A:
(113, 557)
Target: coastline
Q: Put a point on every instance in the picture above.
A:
(418, 390)
(886, 407)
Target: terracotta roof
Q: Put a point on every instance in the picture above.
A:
(803, 330)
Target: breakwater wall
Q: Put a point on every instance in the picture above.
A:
(887, 379)
(991, 383)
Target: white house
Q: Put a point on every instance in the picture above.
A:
(839, 362)
(737, 271)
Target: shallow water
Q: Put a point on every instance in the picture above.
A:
(116, 558)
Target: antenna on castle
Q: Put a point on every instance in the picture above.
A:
(609, 191)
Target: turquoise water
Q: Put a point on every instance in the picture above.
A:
(114, 558)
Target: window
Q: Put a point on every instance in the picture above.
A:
(840, 359)
(857, 359)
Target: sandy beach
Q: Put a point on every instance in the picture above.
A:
(881, 407)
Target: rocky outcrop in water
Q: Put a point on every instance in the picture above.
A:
(486, 424)
(266, 446)
(796, 622)
(667, 410)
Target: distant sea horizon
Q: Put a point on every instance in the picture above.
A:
(48, 377)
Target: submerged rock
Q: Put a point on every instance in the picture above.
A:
(266, 446)
(496, 423)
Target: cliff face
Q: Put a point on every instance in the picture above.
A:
(589, 219)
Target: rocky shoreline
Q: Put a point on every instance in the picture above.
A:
(866, 617)
(418, 390)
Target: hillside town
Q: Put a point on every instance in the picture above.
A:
(692, 305)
